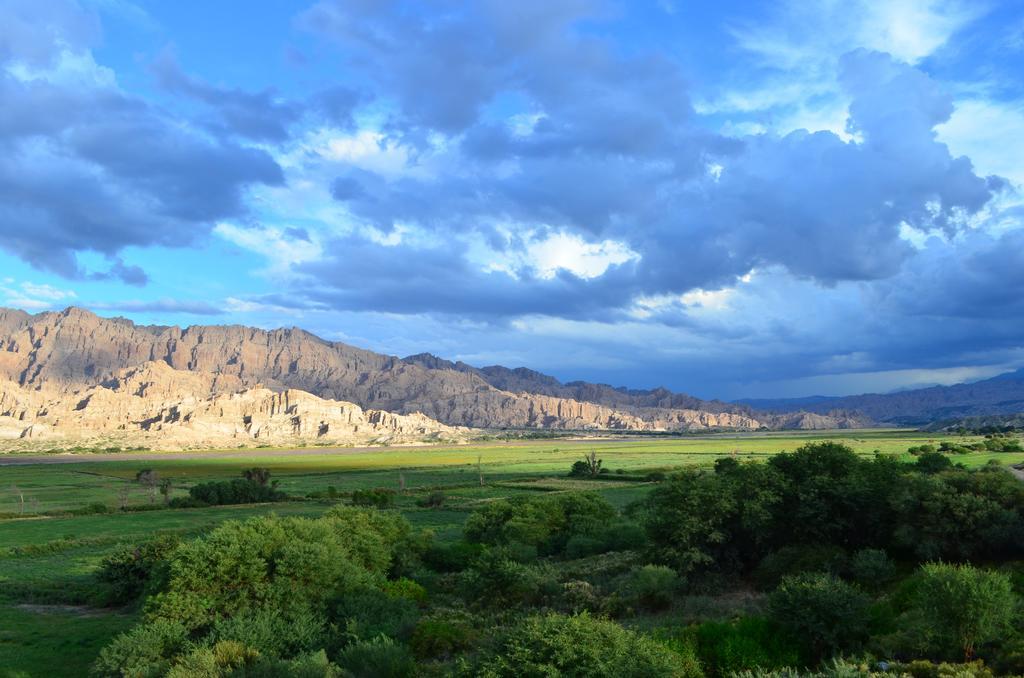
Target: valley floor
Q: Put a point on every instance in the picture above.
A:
(63, 513)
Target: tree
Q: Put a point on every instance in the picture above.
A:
(149, 479)
(933, 462)
(580, 645)
(590, 465)
(258, 475)
(21, 499)
(830, 614)
(962, 606)
(166, 487)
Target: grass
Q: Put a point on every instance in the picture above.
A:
(48, 559)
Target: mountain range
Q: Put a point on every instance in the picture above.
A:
(54, 366)
(999, 395)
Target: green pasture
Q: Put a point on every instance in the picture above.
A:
(61, 487)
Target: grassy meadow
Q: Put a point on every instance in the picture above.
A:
(48, 554)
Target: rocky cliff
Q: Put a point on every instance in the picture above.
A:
(154, 405)
(74, 350)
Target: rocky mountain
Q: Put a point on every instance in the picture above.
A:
(71, 351)
(1001, 395)
(154, 405)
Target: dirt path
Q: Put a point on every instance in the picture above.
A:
(1016, 471)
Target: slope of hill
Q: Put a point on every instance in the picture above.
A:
(73, 350)
(1000, 395)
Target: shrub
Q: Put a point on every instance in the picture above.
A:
(406, 589)
(580, 645)
(747, 644)
(651, 587)
(378, 498)
(141, 651)
(872, 567)
(128, 570)
(933, 462)
(547, 523)
(380, 657)
(499, 581)
(432, 500)
(960, 606)
(451, 557)
(94, 508)
(791, 560)
(237, 491)
(828, 613)
(365, 615)
(272, 633)
(442, 637)
(225, 657)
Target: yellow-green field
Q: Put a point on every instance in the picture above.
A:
(48, 555)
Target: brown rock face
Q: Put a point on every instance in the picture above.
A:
(74, 350)
(156, 405)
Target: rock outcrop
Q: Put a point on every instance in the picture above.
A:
(155, 405)
(74, 350)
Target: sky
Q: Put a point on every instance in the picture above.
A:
(729, 199)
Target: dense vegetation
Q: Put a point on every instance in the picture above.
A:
(817, 562)
(843, 561)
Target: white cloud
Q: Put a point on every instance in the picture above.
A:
(797, 48)
(34, 297)
(570, 252)
(990, 133)
(281, 248)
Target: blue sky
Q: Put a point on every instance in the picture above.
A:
(728, 199)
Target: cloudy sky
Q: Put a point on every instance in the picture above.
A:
(725, 198)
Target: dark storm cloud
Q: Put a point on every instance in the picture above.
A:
(616, 151)
(398, 278)
(252, 115)
(85, 167)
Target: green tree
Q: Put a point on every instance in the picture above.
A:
(962, 606)
(582, 646)
(830, 614)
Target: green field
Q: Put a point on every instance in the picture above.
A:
(48, 555)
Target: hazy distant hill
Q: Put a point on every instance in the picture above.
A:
(1001, 395)
(73, 350)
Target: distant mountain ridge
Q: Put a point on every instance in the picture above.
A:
(73, 350)
(999, 395)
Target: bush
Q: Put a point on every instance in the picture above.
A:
(651, 587)
(751, 643)
(828, 613)
(237, 491)
(271, 633)
(580, 645)
(92, 509)
(547, 523)
(442, 637)
(960, 606)
(933, 462)
(141, 651)
(405, 589)
(128, 571)
(380, 657)
(380, 497)
(452, 557)
(432, 500)
(365, 615)
(497, 580)
(790, 560)
(872, 567)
